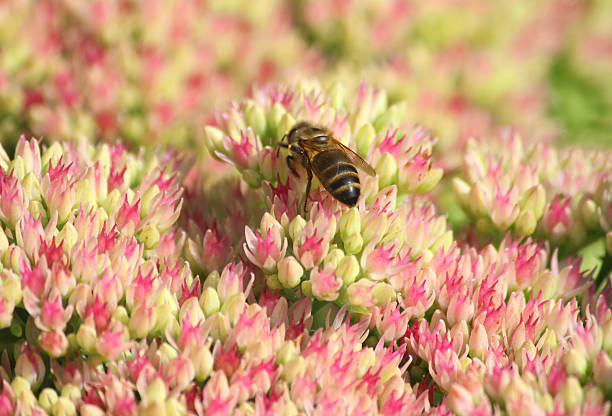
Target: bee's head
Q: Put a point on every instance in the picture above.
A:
(303, 130)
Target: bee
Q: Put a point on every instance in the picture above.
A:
(335, 165)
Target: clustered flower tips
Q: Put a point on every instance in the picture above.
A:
(337, 254)
(563, 196)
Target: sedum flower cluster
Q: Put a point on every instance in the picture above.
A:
(136, 284)
(564, 196)
(517, 328)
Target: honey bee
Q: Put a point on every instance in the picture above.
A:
(335, 165)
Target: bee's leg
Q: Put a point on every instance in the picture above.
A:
(309, 172)
(290, 160)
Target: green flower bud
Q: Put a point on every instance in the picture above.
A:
(290, 272)
(286, 353)
(256, 119)
(572, 393)
(47, 398)
(348, 269)
(430, 181)
(156, 391)
(213, 138)
(209, 301)
(18, 168)
(349, 223)
(3, 241)
(386, 168)
(31, 186)
(294, 368)
(353, 243)
(51, 156)
(382, 293)
(149, 236)
(71, 392)
(588, 213)
(333, 257)
(461, 190)
(535, 201)
(285, 123)
(525, 224)
(306, 287)
(479, 200)
(295, 228)
(364, 138)
(64, 407)
(68, 236)
(337, 94)
(575, 363)
(273, 283)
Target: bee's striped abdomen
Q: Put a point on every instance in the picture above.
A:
(338, 175)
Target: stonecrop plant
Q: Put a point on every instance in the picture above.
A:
(471, 276)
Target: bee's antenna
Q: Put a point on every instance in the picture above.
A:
(279, 144)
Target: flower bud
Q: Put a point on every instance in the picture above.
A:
(47, 398)
(609, 242)
(325, 284)
(575, 363)
(202, 360)
(588, 212)
(31, 367)
(71, 391)
(353, 244)
(142, 320)
(348, 269)
(290, 272)
(386, 168)
(256, 119)
(429, 182)
(31, 186)
(167, 309)
(209, 301)
(285, 123)
(382, 293)
(364, 138)
(479, 342)
(156, 391)
(85, 194)
(535, 201)
(87, 409)
(349, 223)
(64, 407)
(525, 224)
(337, 95)
(3, 241)
(86, 338)
(479, 200)
(53, 343)
(296, 226)
(461, 190)
(572, 393)
(213, 138)
(191, 308)
(51, 156)
(149, 236)
(294, 368)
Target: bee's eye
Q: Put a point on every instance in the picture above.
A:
(320, 139)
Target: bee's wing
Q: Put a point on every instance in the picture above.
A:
(356, 159)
